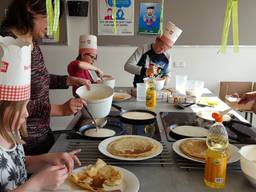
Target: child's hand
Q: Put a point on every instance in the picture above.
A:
(67, 158)
(99, 73)
(50, 178)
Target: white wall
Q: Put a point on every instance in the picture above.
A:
(202, 63)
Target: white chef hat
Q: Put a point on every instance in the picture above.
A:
(88, 44)
(171, 34)
(15, 69)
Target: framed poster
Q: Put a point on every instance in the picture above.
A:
(124, 14)
(149, 18)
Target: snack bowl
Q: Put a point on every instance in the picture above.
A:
(248, 162)
(159, 83)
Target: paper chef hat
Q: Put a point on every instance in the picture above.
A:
(15, 69)
(171, 34)
(88, 44)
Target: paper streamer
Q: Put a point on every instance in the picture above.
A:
(231, 13)
(56, 15)
(114, 15)
(53, 18)
(49, 10)
(235, 26)
(162, 17)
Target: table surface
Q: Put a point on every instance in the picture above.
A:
(168, 178)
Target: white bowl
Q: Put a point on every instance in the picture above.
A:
(99, 99)
(248, 162)
(109, 81)
(159, 83)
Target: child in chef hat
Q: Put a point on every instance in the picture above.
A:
(15, 75)
(170, 35)
(154, 57)
(164, 43)
(84, 65)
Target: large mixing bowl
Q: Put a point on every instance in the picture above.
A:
(248, 162)
(99, 99)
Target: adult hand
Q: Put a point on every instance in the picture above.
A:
(247, 97)
(76, 81)
(72, 106)
(67, 158)
(50, 178)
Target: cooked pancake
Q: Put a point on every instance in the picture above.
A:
(194, 148)
(119, 97)
(132, 147)
(137, 115)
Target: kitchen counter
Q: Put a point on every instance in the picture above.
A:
(170, 177)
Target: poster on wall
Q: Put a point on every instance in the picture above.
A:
(124, 17)
(149, 18)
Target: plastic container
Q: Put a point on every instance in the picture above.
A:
(141, 91)
(181, 83)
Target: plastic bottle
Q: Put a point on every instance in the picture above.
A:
(150, 71)
(150, 94)
(216, 155)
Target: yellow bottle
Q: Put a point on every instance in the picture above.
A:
(216, 155)
(150, 94)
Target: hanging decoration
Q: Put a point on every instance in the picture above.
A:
(231, 13)
(162, 17)
(53, 19)
(114, 15)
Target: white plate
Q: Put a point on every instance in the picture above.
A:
(130, 182)
(190, 131)
(103, 148)
(120, 94)
(235, 156)
(207, 115)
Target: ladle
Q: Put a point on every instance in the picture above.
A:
(93, 120)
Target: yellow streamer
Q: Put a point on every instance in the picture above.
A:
(235, 26)
(231, 12)
(114, 15)
(162, 17)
